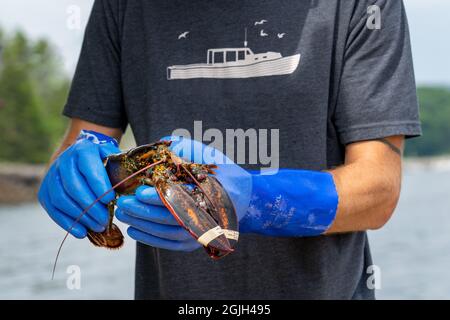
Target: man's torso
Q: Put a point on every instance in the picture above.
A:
(288, 81)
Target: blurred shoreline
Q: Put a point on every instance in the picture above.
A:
(19, 183)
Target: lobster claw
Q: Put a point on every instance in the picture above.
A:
(215, 227)
(224, 212)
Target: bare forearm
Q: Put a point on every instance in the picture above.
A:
(368, 185)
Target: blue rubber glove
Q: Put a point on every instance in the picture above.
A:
(75, 179)
(151, 223)
(282, 203)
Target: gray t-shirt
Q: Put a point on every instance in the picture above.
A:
(316, 70)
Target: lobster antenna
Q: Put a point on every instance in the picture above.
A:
(93, 203)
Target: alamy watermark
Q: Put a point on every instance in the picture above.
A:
(374, 279)
(250, 146)
(73, 21)
(73, 281)
(374, 18)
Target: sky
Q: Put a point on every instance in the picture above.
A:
(428, 20)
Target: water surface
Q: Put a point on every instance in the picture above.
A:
(413, 250)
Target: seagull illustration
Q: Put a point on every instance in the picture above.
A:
(183, 35)
(260, 22)
(281, 35)
(263, 34)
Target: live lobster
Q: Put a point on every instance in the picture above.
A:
(189, 190)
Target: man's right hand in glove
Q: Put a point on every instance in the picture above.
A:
(75, 179)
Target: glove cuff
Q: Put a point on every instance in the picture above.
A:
(97, 138)
(291, 203)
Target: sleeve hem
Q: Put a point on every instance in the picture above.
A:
(409, 129)
(106, 120)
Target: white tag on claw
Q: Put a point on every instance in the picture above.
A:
(231, 234)
(210, 235)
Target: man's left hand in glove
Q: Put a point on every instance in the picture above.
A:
(287, 203)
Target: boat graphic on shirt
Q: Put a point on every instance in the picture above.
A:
(230, 63)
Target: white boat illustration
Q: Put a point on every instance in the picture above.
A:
(229, 63)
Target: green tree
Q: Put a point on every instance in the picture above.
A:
(435, 116)
(33, 89)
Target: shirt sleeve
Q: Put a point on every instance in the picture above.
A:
(96, 90)
(377, 92)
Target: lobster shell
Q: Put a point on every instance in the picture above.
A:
(215, 227)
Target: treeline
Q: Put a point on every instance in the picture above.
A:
(435, 116)
(34, 87)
